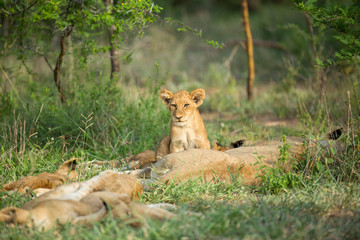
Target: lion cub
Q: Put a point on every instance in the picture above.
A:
(187, 128)
(44, 181)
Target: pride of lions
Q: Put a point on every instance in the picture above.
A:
(182, 156)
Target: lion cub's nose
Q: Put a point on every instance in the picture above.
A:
(178, 118)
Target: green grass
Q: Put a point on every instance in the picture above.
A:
(211, 211)
(323, 206)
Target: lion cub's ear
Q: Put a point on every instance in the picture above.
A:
(70, 164)
(165, 96)
(67, 166)
(198, 96)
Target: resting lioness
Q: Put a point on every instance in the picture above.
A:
(187, 128)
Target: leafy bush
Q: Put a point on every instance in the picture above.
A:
(323, 159)
(344, 19)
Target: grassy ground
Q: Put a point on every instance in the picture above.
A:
(215, 211)
(322, 207)
(109, 120)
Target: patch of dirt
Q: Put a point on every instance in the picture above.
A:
(212, 116)
(273, 121)
(267, 120)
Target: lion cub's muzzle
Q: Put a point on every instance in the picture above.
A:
(179, 120)
(180, 123)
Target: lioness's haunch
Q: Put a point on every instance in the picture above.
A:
(187, 130)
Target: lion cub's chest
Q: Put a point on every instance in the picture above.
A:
(185, 139)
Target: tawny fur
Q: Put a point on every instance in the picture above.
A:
(109, 181)
(84, 202)
(245, 162)
(124, 208)
(218, 147)
(46, 214)
(66, 172)
(187, 129)
(140, 160)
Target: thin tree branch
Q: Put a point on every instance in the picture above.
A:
(259, 43)
(19, 12)
(311, 30)
(40, 54)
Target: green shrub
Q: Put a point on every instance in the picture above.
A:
(282, 176)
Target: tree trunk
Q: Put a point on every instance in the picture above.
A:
(58, 65)
(249, 49)
(57, 69)
(115, 64)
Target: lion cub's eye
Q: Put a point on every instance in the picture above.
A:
(186, 105)
(173, 105)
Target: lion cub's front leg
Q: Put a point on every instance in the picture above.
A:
(177, 146)
(167, 146)
(179, 141)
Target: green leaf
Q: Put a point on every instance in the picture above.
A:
(330, 160)
(319, 62)
(319, 166)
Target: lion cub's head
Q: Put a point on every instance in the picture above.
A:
(182, 104)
